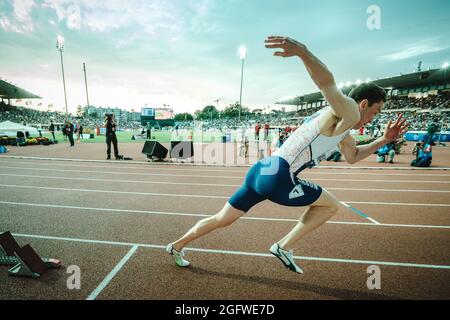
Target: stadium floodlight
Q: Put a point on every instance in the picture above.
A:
(445, 65)
(60, 43)
(358, 82)
(60, 48)
(242, 52)
(242, 56)
(368, 80)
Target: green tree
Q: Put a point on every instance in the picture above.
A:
(184, 116)
(232, 111)
(209, 112)
(80, 111)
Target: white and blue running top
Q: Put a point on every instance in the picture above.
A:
(307, 147)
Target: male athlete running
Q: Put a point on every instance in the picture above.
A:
(275, 178)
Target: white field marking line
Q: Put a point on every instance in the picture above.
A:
(112, 274)
(241, 253)
(187, 214)
(206, 184)
(221, 165)
(205, 196)
(304, 173)
(215, 177)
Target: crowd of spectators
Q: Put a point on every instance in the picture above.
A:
(430, 102)
(435, 105)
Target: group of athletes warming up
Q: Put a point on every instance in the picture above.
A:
(275, 178)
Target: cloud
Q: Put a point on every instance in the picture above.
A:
(7, 26)
(21, 21)
(414, 50)
(103, 16)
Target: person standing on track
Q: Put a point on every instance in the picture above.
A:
(52, 130)
(275, 178)
(111, 127)
(70, 130)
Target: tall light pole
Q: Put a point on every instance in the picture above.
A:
(85, 82)
(242, 56)
(60, 48)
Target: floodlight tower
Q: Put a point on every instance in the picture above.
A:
(60, 48)
(242, 56)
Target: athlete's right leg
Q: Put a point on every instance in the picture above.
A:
(222, 219)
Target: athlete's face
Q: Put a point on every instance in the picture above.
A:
(368, 112)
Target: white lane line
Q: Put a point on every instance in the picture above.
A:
(116, 192)
(112, 274)
(222, 165)
(206, 196)
(141, 167)
(205, 184)
(127, 181)
(385, 168)
(187, 214)
(401, 204)
(241, 253)
(214, 177)
(304, 174)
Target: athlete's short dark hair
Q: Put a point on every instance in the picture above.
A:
(369, 91)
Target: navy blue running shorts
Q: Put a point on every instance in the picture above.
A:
(270, 179)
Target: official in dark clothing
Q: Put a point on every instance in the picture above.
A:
(111, 127)
(70, 130)
(149, 131)
(80, 130)
(52, 130)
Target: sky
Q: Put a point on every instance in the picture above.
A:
(184, 53)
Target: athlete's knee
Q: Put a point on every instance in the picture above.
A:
(227, 216)
(328, 202)
(222, 220)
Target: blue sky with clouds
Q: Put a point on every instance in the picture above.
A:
(184, 52)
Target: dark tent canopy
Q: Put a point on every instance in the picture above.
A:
(10, 91)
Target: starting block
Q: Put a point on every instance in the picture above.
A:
(25, 261)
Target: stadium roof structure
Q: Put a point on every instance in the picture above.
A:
(10, 91)
(411, 80)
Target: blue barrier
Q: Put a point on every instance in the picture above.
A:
(444, 136)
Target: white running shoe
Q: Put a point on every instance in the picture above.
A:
(179, 260)
(286, 257)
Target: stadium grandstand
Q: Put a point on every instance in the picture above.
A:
(422, 96)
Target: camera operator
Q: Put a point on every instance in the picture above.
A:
(111, 127)
(424, 155)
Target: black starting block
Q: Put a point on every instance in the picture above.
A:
(25, 261)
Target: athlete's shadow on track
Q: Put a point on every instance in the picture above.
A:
(345, 294)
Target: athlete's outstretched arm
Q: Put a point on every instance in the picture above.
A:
(355, 153)
(343, 107)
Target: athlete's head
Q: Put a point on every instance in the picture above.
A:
(370, 99)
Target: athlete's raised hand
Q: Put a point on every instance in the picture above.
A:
(290, 46)
(393, 131)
